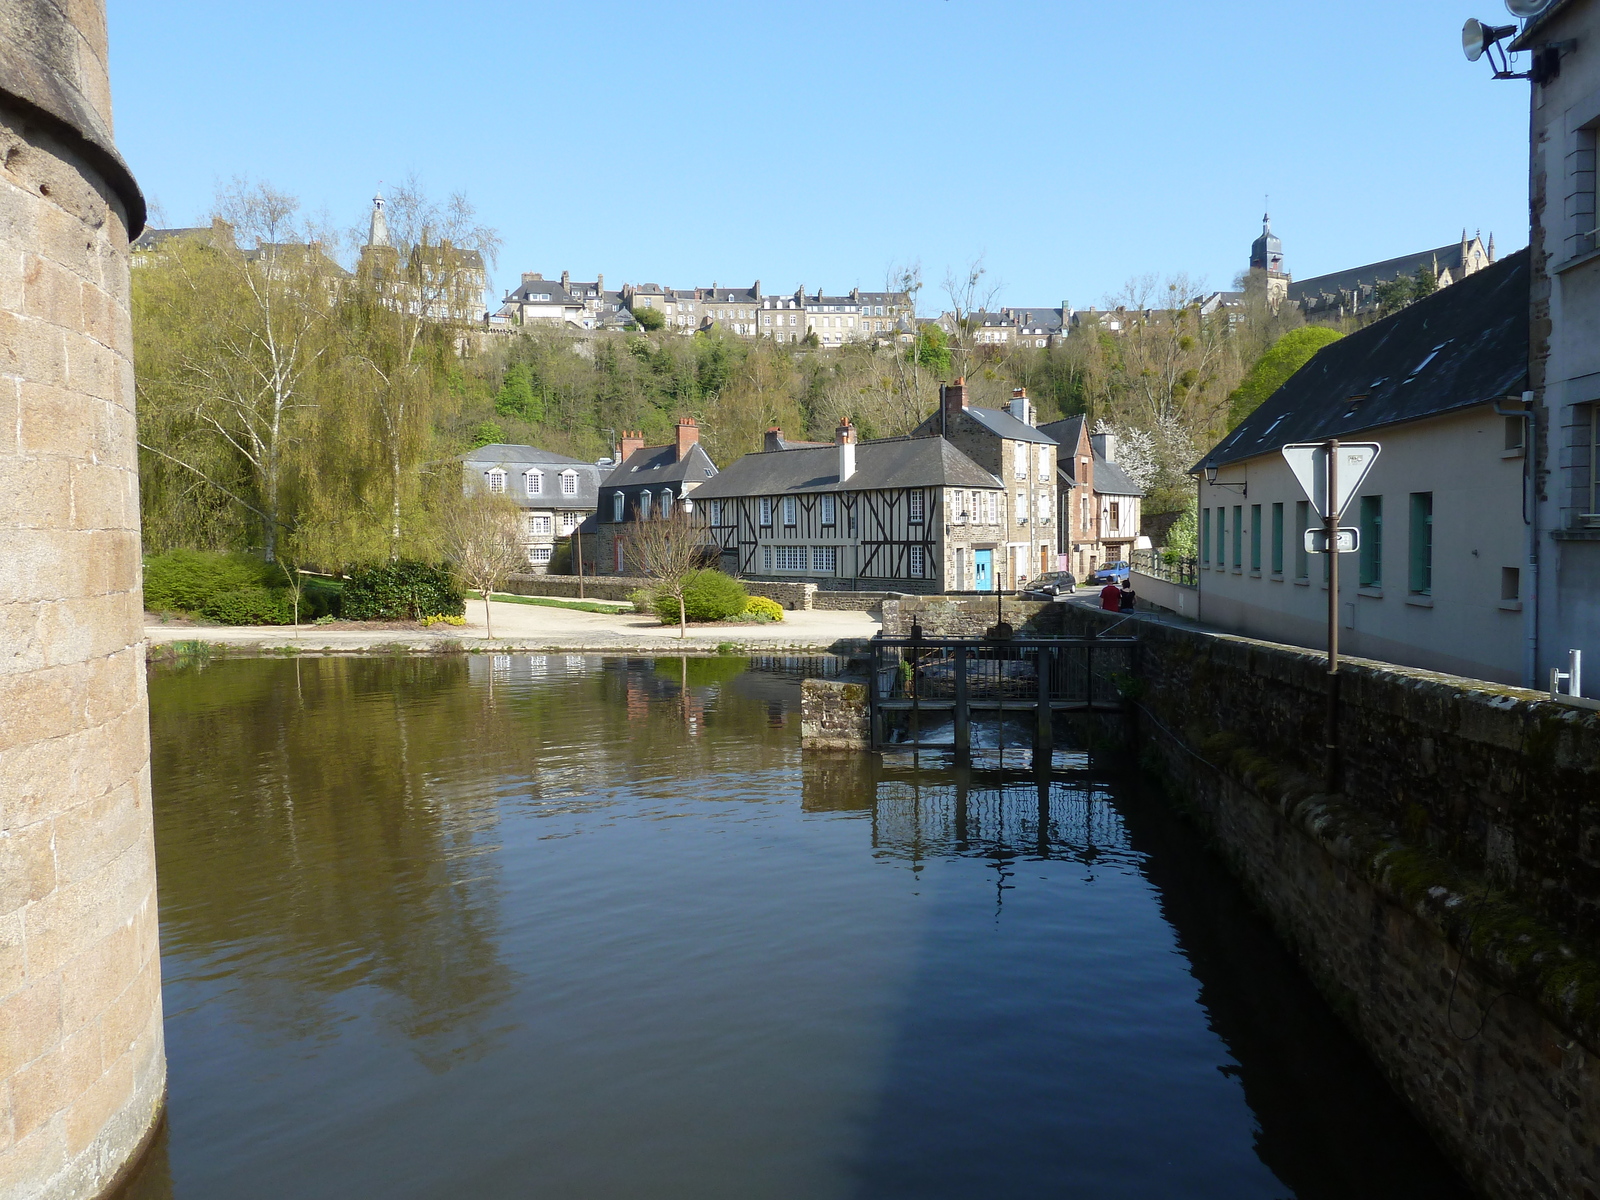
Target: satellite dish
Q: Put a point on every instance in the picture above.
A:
(1526, 10)
(1476, 37)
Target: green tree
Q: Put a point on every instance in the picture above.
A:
(649, 319)
(1273, 369)
(1427, 283)
(1394, 294)
(931, 351)
(516, 397)
(487, 434)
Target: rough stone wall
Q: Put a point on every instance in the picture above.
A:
(852, 601)
(833, 715)
(601, 587)
(1442, 900)
(82, 1069)
(945, 616)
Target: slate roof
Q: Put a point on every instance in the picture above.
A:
(1447, 257)
(514, 460)
(1003, 424)
(1462, 346)
(650, 465)
(1066, 433)
(1112, 480)
(531, 287)
(881, 464)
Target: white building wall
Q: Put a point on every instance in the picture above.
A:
(1464, 627)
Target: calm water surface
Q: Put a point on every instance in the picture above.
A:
(573, 927)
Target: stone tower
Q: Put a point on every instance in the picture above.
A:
(82, 1068)
(1266, 256)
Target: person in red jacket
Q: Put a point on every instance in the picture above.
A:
(1111, 597)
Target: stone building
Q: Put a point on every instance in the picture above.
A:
(647, 482)
(555, 493)
(82, 1066)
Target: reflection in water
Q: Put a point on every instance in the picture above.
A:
(509, 926)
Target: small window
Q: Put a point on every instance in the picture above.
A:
(1372, 541)
(569, 483)
(666, 502)
(919, 562)
(716, 512)
(570, 521)
(497, 481)
(1044, 462)
(1510, 584)
(766, 558)
(958, 507)
(539, 525)
(617, 503)
(1514, 433)
(1255, 537)
(765, 513)
(539, 555)
(535, 483)
(1021, 508)
(1420, 575)
(829, 510)
(915, 504)
(646, 499)
(1019, 459)
(825, 558)
(791, 510)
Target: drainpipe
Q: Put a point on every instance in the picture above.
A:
(1530, 518)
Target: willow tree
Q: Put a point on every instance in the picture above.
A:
(418, 291)
(232, 328)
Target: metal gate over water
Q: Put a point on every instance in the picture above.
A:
(918, 683)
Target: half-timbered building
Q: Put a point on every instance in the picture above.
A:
(909, 514)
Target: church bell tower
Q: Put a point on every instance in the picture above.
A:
(1266, 255)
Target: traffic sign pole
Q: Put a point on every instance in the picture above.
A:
(1331, 524)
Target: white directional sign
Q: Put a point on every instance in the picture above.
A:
(1309, 462)
(1317, 541)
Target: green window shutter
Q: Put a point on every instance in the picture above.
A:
(1277, 539)
(1205, 536)
(1238, 535)
(1255, 537)
(1302, 522)
(1421, 574)
(1372, 541)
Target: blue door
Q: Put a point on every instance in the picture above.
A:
(983, 570)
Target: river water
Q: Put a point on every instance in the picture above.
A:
(595, 928)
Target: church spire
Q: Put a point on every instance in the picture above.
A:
(378, 232)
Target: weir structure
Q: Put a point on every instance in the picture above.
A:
(82, 1067)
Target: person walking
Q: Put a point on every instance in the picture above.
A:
(1111, 598)
(1125, 597)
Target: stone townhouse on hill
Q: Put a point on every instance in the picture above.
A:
(554, 492)
(907, 514)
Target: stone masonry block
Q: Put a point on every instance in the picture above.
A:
(89, 835)
(52, 292)
(55, 1079)
(27, 865)
(32, 350)
(57, 928)
(13, 955)
(38, 1156)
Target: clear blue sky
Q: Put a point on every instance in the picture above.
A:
(1073, 145)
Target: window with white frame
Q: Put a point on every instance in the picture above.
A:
(766, 558)
(570, 521)
(958, 506)
(539, 524)
(497, 480)
(829, 506)
(825, 558)
(539, 555)
(791, 558)
(666, 502)
(992, 508)
(646, 499)
(569, 483)
(919, 562)
(1044, 462)
(764, 511)
(1044, 509)
(1021, 508)
(618, 502)
(1019, 459)
(791, 510)
(535, 483)
(915, 508)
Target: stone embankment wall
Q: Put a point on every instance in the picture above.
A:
(1444, 900)
(953, 616)
(833, 714)
(82, 1069)
(791, 595)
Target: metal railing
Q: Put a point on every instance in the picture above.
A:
(1182, 571)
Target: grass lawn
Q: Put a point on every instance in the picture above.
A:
(594, 606)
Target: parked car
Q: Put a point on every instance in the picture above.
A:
(1114, 572)
(1051, 586)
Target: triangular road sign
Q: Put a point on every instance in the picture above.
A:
(1309, 462)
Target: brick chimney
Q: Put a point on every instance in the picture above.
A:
(845, 438)
(688, 435)
(953, 397)
(631, 441)
(1020, 406)
(773, 440)
(530, 276)
(566, 278)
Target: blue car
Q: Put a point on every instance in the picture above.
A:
(1116, 572)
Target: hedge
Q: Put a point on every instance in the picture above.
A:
(400, 591)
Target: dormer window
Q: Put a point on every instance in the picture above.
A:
(535, 483)
(569, 483)
(497, 480)
(617, 502)
(644, 503)
(666, 502)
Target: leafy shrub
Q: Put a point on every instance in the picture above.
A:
(708, 595)
(251, 606)
(187, 580)
(329, 619)
(642, 601)
(401, 590)
(441, 619)
(761, 606)
(320, 598)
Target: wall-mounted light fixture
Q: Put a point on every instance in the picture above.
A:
(1479, 40)
(1211, 478)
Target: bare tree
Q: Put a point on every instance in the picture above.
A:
(668, 550)
(482, 543)
(970, 293)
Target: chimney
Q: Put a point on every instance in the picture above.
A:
(845, 438)
(1020, 406)
(953, 397)
(631, 442)
(755, 289)
(600, 284)
(530, 276)
(566, 278)
(688, 435)
(773, 440)
(1105, 445)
